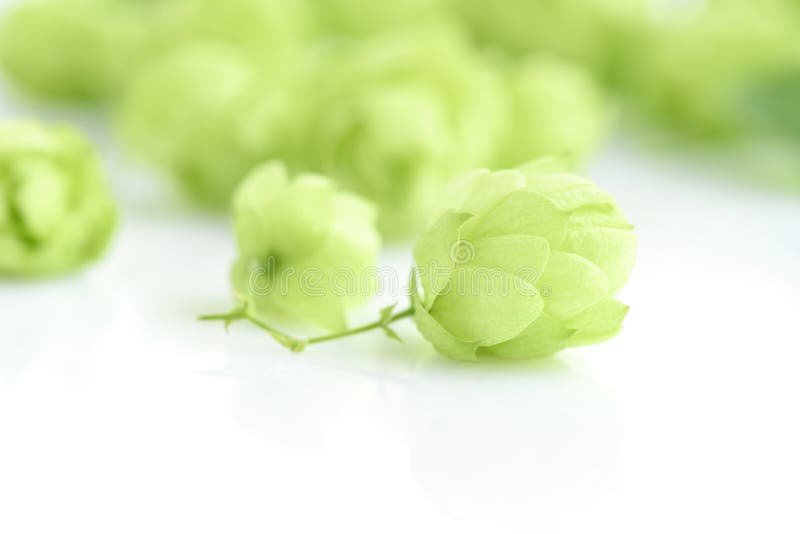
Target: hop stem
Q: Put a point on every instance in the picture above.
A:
(241, 313)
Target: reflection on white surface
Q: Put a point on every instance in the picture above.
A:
(494, 446)
(529, 449)
(45, 329)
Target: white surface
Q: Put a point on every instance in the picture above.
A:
(119, 413)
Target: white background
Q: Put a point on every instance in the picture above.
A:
(119, 413)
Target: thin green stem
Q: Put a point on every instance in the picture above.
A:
(220, 317)
(361, 329)
(298, 345)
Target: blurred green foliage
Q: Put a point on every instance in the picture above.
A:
(596, 33)
(774, 105)
(393, 121)
(205, 114)
(694, 74)
(391, 99)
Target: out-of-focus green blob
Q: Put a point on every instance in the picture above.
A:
(88, 49)
(56, 211)
(554, 108)
(74, 49)
(773, 105)
(771, 113)
(526, 262)
(206, 115)
(305, 247)
(367, 17)
(597, 33)
(273, 33)
(391, 118)
(697, 70)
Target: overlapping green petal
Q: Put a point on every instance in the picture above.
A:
(597, 323)
(573, 284)
(486, 306)
(522, 212)
(543, 338)
(442, 340)
(435, 254)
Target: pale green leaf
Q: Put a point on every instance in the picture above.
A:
(524, 256)
(391, 334)
(386, 313)
(597, 323)
(482, 189)
(442, 340)
(543, 338)
(570, 192)
(521, 212)
(434, 251)
(611, 249)
(486, 305)
(570, 284)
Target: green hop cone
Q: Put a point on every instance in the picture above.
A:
(554, 108)
(388, 119)
(524, 263)
(305, 248)
(205, 115)
(56, 211)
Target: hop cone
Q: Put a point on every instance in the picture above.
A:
(304, 247)
(526, 262)
(56, 212)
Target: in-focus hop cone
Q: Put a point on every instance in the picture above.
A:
(524, 263)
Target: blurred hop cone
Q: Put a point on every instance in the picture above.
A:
(56, 211)
(305, 248)
(206, 116)
(391, 118)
